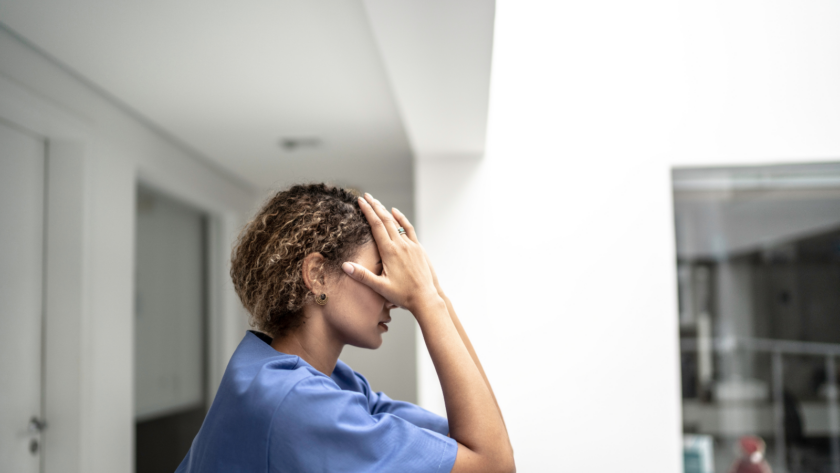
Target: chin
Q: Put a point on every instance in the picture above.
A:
(376, 344)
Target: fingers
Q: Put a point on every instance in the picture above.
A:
(385, 216)
(364, 276)
(403, 221)
(380, 233)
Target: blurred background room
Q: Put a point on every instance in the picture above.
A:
(635, 207)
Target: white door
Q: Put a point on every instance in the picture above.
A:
(22, 167)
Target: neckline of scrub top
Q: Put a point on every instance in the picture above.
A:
(265, 341)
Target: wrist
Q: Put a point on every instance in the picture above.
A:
(428, 306)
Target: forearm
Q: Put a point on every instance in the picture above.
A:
(466, 340)
(474, 419)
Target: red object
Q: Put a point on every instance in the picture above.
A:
(750, 445)
(752, 457)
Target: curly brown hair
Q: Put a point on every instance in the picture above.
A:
(267, 258)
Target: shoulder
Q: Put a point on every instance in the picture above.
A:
(260, 377)
(256, 383)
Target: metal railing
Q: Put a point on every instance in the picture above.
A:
(777, 349)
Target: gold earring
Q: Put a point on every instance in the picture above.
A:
(321, 300)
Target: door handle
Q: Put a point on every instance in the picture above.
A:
(36, 425)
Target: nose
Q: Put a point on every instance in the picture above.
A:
(390, 305)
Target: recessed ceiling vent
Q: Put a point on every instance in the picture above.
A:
(300, 143)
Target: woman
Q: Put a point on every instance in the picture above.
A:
(319, 268)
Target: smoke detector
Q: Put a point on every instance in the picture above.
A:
(298, 143)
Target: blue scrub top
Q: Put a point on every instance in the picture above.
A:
(274, 412)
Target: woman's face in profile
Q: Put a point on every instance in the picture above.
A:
(357, 314)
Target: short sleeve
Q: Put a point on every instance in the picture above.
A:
(320, 427)
(379, 402)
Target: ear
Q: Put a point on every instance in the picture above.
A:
(313, 272)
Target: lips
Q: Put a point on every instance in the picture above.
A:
(384, 325)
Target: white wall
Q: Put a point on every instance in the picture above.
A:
(97, 152)
(557, 247)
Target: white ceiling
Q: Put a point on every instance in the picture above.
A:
(438, 54)
(724, 212)
(718, 226)
(231, 79)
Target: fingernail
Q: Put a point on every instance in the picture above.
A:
(348, 268)
(396, 210)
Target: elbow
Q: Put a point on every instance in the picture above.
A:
(506, 464)
(498, 461)
(506, 467)
(510, 467)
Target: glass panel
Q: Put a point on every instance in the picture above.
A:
(758, 265)
(170, 325)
